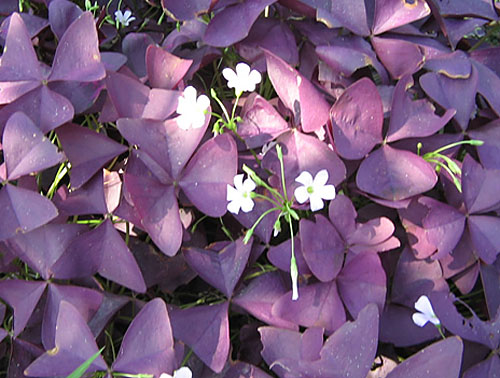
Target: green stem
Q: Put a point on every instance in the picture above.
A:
(251, 230)
(282, 167)
(257, 195)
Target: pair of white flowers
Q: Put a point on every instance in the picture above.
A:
(192, 109)
(314, 190)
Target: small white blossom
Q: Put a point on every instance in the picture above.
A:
(240, 197)
(315, 190)
(426, 312)
(191, 110)
(124, 18)
(183, 372)
(243, 80)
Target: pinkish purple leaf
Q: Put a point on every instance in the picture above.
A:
(259, 296)
(42, 247)
(77, 56)
(88, 199)
(453, 93)
(362, 281)
(488, 82)
(23, 210)
(395, 174)
(165, 70)
(233, 23)
(373, 232)
(221, 269)
(308, 106)
(46, 108)
(22, 296)
(261, 122)
(343, 215)
(25, 149)
(206, 330)
(479, 186)
(442, 358)
(322, 247)
(185, 10)
(489, 152)
(87, 151)
(74, 344)
(148, 344)
(281, 254)
(389, 14)
(62, 13)
(444, 225)
(488, 368)
(485, 236)
(211, 169)
(128, 95)
(413, 118)
(87, 301)
(319, 305)
(357, 119)
(157, 206)
(400, 57)
(134, 46)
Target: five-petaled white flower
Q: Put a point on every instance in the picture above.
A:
(124, 18)
(426, 312)
(240, 197)
(191, 110)
(315, 190)
(183, 372)
(243, 80)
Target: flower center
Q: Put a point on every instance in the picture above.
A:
(310, 189)
(245, 194)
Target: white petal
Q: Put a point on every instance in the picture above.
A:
(184, 122)
(127, 14)
(203, 103)
(238, 182)
(255, 77)
(242, 71)
(434, 320)
(326, 192)
(301, 194)
(190, 95)
(419, 319)
(234, 206)
(321, 178)
(165, 375)
(230, 76)
(423, 304)
(316, 202)
(183, 372)
(197, 120)
(249, 185)
(232, 194)
(246, 204)
(305, 178)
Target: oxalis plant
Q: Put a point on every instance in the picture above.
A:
(249, 188)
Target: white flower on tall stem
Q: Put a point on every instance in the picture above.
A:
(239, 196)
(191, 110)
(426, 312)
(183, 372)
(243, 79)
(315, 190)
(124, 18)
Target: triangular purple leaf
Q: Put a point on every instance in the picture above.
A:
(400, 57)
(165, 70)
(221, 269)
(211, 169)
(489, 152)
(87, 151)
(395, 174)
(485, 236)
(77, 56)
(62, 13)
(479, 186)
(148, 345)
(357, 119)
(25, 149)
(74, 344)
(206, 330)
(22, 296)
(23, 210)
(185, 11)
(389, 14)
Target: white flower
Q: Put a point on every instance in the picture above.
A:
(314, 190)
(294, 274)
(240, 197)
(243, 80)
(124, 18)
(426, 312)
(183, 372)
(191, 110)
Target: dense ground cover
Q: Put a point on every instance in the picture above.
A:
(250, 188)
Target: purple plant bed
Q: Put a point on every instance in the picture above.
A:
(371, 127)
